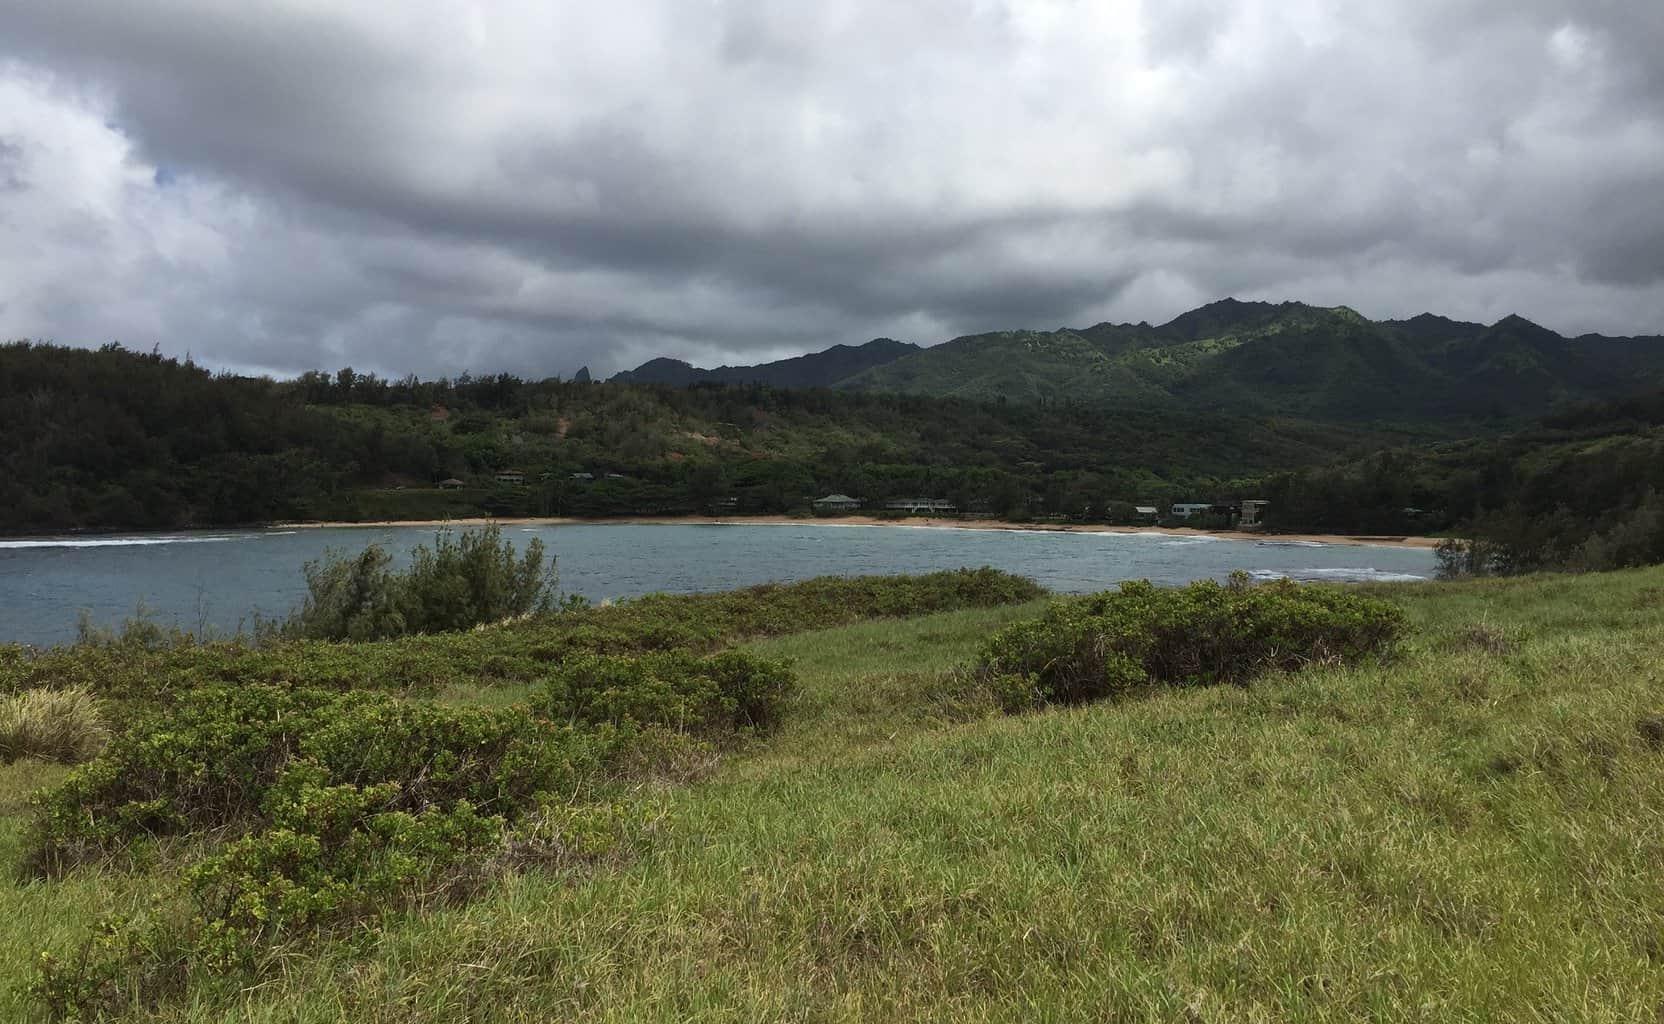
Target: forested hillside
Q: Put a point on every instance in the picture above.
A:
(112, 438)
(1583, 489)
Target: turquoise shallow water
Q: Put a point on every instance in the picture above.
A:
(221, 578)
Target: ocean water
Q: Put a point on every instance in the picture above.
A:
(222, 579)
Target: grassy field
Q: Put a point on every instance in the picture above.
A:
(1473, 832)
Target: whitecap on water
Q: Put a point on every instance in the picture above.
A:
(106, 542)
(1358, 575)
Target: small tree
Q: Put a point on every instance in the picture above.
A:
(462, 581)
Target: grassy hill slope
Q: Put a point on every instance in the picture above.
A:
(1469, 833)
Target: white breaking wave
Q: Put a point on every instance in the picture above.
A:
(1335, 574)
(1292, 544)
(107, 542)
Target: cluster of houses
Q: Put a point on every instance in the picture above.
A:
(517, 478)
(1246, 512)
(836, 504)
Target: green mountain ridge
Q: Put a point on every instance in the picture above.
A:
(1240, 358)
(1260, 358)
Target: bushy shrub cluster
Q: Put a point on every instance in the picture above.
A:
(678, 689)
(221, 755)
(339, 805)
(1089, 648)
(463, 580)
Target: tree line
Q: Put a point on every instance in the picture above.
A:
(112, 438)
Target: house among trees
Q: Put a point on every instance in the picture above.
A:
(1251, 509)
(516, 477)
(836, 503)
(1186, 509)
(921, 506)
(1146, 513)
(451, 484)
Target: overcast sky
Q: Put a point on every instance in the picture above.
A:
(441, 186)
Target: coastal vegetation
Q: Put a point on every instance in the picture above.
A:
(813, 801)
(297, 794)
(1583, 490)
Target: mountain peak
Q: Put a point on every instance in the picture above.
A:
(813, 370)
(1516, 326)
(1220, 316)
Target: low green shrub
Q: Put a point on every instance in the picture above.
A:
(226, 758)
(516, 653)
(52, 725)
(1088, 648)
(338, 852)
(676, 689)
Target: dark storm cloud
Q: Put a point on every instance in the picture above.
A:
(434, 187)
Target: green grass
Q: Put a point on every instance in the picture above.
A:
(1472, 832)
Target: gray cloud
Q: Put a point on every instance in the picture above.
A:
(531, 187)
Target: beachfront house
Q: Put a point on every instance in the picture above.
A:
(1252, 510)
(512, 477)
(836, 504)
(1146, 513)
(921, 506)
(451, 484)
(1186, 509)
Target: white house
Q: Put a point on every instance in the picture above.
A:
(836, 503)
(1186, 509)
(921, 506)
(510, 476)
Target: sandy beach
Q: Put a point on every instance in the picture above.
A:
(920, 521)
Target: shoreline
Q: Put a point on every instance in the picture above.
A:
(1352, 540)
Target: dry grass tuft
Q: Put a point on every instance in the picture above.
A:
(1482, 636)
(52, 725)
